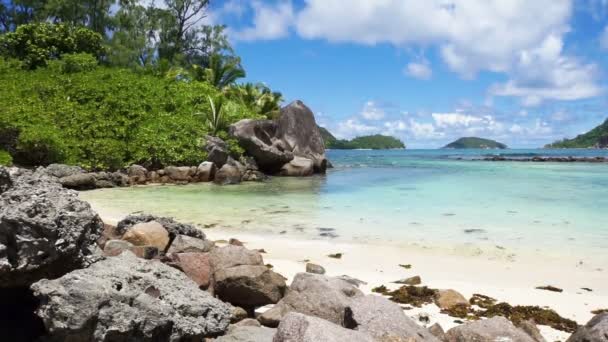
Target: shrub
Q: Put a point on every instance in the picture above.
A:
(5, 158)
(77, 62)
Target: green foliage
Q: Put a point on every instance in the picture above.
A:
(373, 142)
(221, 72)
(77, 62)
(258, 97)
(597, 137)
(36, 44)
(473, 142)
(107, 117)
(5, 158)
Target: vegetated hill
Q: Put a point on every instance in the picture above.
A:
(597, 137)
(373, 142)
(474, 142)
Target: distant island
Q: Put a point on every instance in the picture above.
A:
(474, 142)
(372, 142)
(595, 138)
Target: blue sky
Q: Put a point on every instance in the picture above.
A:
(522, 72)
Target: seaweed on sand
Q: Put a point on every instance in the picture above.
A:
(482, 301)
(413, 295)
(520, 313)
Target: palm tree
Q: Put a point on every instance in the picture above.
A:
(259, 98)
(222, 71)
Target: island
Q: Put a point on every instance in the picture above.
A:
(474, 142)
(595, 138)
(367, 142)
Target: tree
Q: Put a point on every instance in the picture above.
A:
(259, 98)
(186, 15)
(36, 44)
(221, 72)
(94, 14)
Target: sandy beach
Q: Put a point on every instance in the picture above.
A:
(513, 282)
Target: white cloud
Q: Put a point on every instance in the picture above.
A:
(455, 119)
(371, 111)
(423, 130)
(420, 71)
(604, 38)
(353, 127)
(270, 21)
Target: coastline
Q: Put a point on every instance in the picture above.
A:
(378, 264)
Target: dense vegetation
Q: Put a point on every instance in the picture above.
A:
(597, 137)
(373, 142)
(472, 142)
(85, 85)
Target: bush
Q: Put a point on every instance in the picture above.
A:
(77, 62)
(5, 158)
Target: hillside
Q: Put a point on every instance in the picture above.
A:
(474, 142)
(373, 142)
(597, 137)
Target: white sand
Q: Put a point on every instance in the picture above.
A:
(510, 281)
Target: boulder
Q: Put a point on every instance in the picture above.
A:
(108, 233)
(595, 330)
(253, 176)
(137, 174)
(173, 227)
(383, 320)
(145, 252)
(148, 234)
(116, 247)
(297, 127)
(447, 299)
(297, 327)
(79, 181)
(239, 315)
(258, 138)
(530, 328)
(206, 172)
(217, 150)
(314, 268)
(415, 280)
(62, 170)
(315, 295)
(179, 173)
(244, 333)
(228, 174)
(488, 330)
(5, 180)
(249, 286)
(45, 229)
(196, 266)
(126, 298)
(231, 256)
(188, 244)
(437, 331)
(298, 167)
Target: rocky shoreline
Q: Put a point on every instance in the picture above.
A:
(549, 159)
(290, 146)
(71, 277)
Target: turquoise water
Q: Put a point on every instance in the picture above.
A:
(429, 198)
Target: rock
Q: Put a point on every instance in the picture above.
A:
(196, 266)
(383, 320)
(179, 174)
(595, 330)
(258, 138)
(206, 172)
(103, 184)
(488, 330)
(424, 318)
(145, 252)
(217, 150)
(244, 333)
(249, 163)
(235, 242)
(314, 295)
(45, 230)
(80, 181)
(415, 280)
(61, 170)
(249, 286)
(314, 268)
(437, 331)
(353, 281)
(298, 167)
(228, 174)
(253, 176)
(173, 227)
(148, 234)
(447, 299)
(297, 327)
(231, 256)
(5, 180)
(186, 244)
(239, 314)
(297, 127)
(116, 247)
(137, 174)
(108, 233)
(126, 298)
(530, 328)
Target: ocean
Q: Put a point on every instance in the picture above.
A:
(432, 199)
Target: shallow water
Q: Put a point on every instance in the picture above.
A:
(429, 198)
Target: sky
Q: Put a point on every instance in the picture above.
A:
(523, 72)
